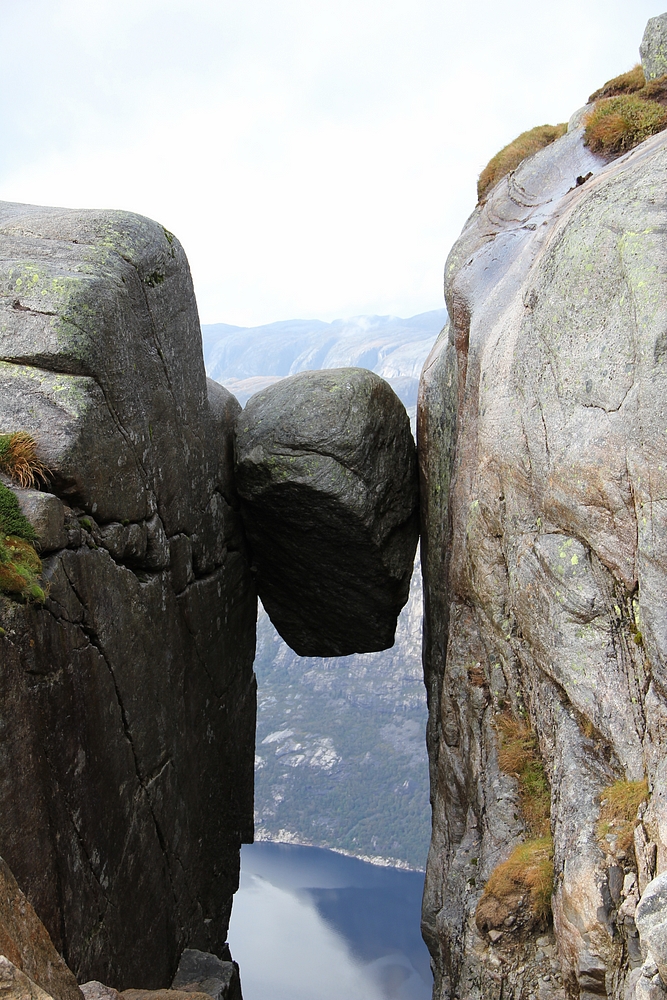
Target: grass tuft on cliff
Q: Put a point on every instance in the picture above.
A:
(618, 811)
(20, 569)
(20, 566)
(517, 895)
(617, 124)
(626, 83)
(519, 755)
(527, 875)
(18, 459)
(511, 156)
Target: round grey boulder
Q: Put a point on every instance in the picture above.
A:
(327, 478)
(653, 49)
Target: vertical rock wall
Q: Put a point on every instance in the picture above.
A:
(542, 431)
(127, 702)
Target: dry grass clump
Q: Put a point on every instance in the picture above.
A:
(518, 755)
(655, 90)
(617, 124)
(619, 811)
(521, 886)
(511, 155)
(517, 896)
(18, 459)
(626, 83)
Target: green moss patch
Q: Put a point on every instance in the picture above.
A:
(12, 521)
(617, 124)
(20, 566)
(512, 155)
(20, 569)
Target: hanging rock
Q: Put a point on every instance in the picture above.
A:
(326, 473)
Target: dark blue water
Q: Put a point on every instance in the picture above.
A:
(309, 924)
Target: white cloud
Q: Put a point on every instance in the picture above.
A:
(315, 159)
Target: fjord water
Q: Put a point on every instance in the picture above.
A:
(310, 924)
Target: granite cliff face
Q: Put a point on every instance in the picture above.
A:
(127, 701)
(542, 430)
(127, 693)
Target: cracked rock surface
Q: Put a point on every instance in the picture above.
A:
(542, 431)
(327, 476)
(127, 702)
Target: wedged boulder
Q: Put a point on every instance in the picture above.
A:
(326, 473)
(29, 962)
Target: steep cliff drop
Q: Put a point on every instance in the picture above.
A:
(542, 430)
(127, 699)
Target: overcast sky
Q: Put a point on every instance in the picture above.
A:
(316, 158)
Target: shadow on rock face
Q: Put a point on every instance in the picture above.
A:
(327, 476)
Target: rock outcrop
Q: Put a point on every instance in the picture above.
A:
(206, 973)
(542, 449)
(326, 473)
(653, 49)
(127, 701)
(28, 961)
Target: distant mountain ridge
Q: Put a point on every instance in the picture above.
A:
(247, 359)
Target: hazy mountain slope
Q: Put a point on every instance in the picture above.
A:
(246, 359)
(341, 758)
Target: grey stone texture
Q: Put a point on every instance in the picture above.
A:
(651, 921)
(543, 482)
(127, 702)
(95, 990)
(199, 971)
(327, 477)
(653, 49)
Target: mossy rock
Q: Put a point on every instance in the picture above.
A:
(12, 521)
(20, 568)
